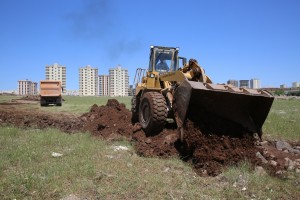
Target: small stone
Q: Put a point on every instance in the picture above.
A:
(242, 180)
(295, 151)
(265, 152)
(148, 141)
(258, 155)
(170, 139)
(280, 145)
(272, 156)
(166, 169)
(204, 172)
(234, 184)
(279, 172)
(297, 170)
(264, 143)
(289, 164)
(260, 171)
(286, 151)
(273, 163)
(55, 155)
(129, 165)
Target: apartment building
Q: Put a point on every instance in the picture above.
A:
(103, 85)
(244, 83)
(131, 90)
(119, 81)
(255, 83)
(233, 82)
(26, 87)
(58, 73)
(295, 84)
(88, 81)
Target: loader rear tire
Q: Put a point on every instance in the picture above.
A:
(153, 112)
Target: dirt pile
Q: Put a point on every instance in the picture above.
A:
(31, 98)
(22, 118)
(162, 145)
(209, 153)
(111, 121)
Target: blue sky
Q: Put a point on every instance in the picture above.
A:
(231, 39)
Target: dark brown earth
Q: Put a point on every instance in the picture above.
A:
(111, 121)
(208, 151)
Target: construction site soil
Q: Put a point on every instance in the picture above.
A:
(209, 153)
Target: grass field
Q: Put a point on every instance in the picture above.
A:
(90, 168)
(283, 120)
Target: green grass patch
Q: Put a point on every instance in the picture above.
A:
(245, 183)
(7, 98)
(283, 121)
(91, 168)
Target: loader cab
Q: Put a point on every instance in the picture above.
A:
(163, 59)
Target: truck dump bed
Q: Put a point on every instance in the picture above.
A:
(50, 92)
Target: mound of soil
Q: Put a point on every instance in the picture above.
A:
(111, 121)
(23, 118)
(209, 153)
(31, 98)
(162, 145)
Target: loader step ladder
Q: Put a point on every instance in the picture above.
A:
(139, 74)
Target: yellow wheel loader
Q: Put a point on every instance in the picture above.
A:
(173, 89)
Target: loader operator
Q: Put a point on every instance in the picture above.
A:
(162, 66)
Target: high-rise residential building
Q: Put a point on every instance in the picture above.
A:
(255, 83)
(26, 87)
(119, 81)
(88, 81)
(233, 82)
(244, 83)
(295, 84)
(131, 90)
(58, 73)
(103, 85)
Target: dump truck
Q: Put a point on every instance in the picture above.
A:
(50, 92)
(172, 89)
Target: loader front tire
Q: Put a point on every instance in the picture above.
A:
(152, 112)
(134, 110)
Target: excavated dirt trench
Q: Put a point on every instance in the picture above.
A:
(207, 151)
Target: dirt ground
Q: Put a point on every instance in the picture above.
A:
(208, 153)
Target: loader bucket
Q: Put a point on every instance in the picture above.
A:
(223, 107)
